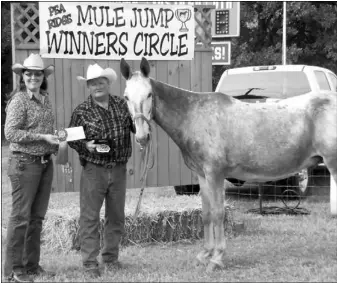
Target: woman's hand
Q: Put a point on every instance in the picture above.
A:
(91, 146)
(52, 139)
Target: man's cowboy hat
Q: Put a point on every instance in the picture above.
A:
(33, 62)
(95, 71)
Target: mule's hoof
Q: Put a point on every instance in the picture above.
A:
(214, 264)
(196, 262)
(212, 267)
(200, 260)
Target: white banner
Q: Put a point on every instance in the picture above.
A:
(105, 30)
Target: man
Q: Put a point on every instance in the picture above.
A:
(107, 124)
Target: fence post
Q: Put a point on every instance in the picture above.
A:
(333, 196)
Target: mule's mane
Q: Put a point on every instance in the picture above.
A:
(177, 92)
(184, 94)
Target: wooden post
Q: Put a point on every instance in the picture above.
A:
(333, 196)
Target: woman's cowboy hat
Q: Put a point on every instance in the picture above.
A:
(33, 62)
(95, 71)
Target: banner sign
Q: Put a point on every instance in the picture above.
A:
(111, 31)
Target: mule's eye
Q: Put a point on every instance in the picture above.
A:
(149, 95)
(126, 98)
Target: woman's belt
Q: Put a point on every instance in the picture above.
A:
(43, 158)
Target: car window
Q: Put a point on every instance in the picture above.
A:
(333, 78)
(267, 84)
(322, 80)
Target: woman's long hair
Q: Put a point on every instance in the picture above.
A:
(21, 87)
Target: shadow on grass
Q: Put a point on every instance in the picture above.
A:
(240, 263)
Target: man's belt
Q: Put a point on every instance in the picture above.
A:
(109, 165)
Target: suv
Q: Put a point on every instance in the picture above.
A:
(261, 83)
(258, 84)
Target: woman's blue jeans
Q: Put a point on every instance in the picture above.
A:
(31, 187)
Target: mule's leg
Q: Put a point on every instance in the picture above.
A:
(207, 252)
(330, 161)
(331, 164)
(215, 182)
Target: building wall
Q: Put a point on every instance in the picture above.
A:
(66, 92)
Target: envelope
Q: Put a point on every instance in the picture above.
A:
(75, 133)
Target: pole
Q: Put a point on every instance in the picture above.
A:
(260, 197)
(284, 34)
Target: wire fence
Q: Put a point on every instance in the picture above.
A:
(317, 184)
(291, 191)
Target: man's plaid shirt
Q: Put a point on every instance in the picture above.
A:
(114, 124)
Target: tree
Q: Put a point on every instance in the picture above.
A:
(311, 35)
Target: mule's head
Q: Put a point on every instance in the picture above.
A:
(138, 94)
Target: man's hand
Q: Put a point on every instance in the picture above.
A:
(91, 146)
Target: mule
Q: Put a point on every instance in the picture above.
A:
(222, 137)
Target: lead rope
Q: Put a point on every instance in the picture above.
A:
(146, 163)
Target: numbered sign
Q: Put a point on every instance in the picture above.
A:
(226, 19)
(221, 53)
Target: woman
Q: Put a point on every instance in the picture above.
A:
(29, 129)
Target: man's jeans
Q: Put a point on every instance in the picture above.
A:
(31, 186)
(98, 184)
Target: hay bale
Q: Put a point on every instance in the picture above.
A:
(163, 219)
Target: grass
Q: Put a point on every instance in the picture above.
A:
(276, 248)
(272, 248)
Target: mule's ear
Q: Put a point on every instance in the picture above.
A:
(125, 69)
(145, 67)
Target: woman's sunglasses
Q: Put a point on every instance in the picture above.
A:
(31, 73)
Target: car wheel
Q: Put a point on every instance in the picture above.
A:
(301, 183)
(297, 185)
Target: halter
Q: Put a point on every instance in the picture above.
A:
(142, 116)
